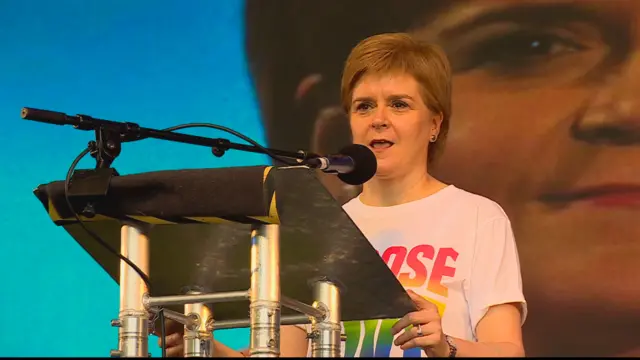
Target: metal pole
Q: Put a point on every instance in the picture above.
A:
(301, 307)
(176, 316)
(244, 323)
(325, 333)
(264, 295)
(133, 319)
(191, 298)
(198, 339)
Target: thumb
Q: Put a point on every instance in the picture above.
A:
(420, 301)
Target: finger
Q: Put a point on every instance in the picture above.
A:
(174, 340)
(421, 342)
(176, 351)
(406, 335)
(170, 327)
(411, 333)
(421, 302)
(412, 318)
(171, 340)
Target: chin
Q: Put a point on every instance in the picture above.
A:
(383, 173)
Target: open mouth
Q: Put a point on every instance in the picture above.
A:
(380, 144)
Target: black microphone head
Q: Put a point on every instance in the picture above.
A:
(365, 166)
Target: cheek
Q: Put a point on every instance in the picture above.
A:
(359, 129)
(499, 134)
(415, 126)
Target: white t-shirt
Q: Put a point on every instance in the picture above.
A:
(454, 248)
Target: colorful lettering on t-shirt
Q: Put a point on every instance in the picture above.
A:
(373, 338)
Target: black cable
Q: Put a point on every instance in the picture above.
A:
(163, 339)
(67, 181)
(106, 245)
(142, 275)
(230, 131)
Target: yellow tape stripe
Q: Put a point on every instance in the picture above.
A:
(55, 215)
(267, 170)
(157, 221)
(273, 217)
(53, 212)
(273, 209)
(209, 219)
(151, 220)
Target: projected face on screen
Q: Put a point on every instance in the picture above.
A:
(546, 121)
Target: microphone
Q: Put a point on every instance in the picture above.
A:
(355, 164)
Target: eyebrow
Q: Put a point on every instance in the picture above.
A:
(390, 97)
(526, 13)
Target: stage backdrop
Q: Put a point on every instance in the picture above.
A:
(545, 122)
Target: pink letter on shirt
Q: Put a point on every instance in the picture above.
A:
(400, 253)
(440, 269)
(417, 266)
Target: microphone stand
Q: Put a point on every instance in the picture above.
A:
(135, 304)
(109, 135)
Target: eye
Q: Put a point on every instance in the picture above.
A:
(363, 107)
(521, 47)
(518, 51)
(399, 104)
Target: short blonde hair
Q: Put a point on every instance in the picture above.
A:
(400, 52)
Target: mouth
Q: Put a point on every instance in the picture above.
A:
(613, 195)
(380, 144)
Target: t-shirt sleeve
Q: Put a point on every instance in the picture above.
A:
(495, 272)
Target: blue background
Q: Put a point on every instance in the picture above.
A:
(158, 63)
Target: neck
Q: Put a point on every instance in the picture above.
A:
(382, 191)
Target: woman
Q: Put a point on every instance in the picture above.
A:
(453, 251)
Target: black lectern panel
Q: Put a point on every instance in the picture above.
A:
(172, 197)
(318, 240)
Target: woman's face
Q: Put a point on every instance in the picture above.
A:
(389, 116)
(546, 121)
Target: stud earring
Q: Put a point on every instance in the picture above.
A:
(434, 138)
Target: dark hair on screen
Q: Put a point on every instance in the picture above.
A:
(286, 40)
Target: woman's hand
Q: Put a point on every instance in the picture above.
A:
(426, 330)
(174, 332)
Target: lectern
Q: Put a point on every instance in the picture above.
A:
(255, 247)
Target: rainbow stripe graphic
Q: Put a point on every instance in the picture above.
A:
(372, 338)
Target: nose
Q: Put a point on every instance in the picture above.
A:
(613, 115)
(380, 120)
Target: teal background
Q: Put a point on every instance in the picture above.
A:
(158, 63)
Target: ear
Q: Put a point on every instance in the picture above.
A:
(436, 121)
